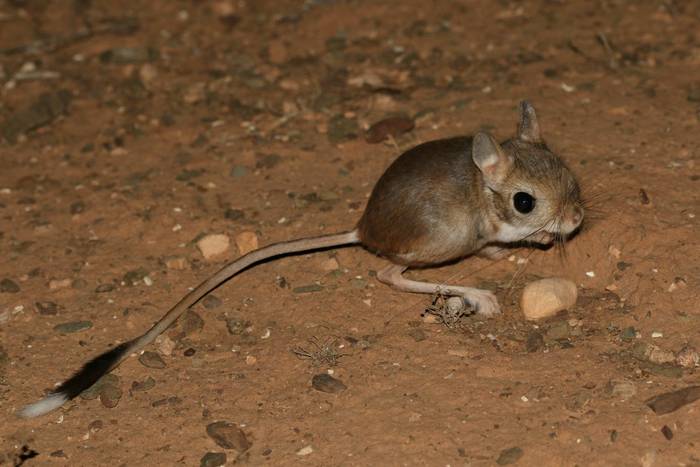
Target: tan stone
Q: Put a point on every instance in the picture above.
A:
(213, 245)
(546, 297)
(246, 242)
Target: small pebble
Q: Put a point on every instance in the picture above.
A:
(135, 276)
(326, 383)
(228, 436)
(190, 323)
(55, 284)
(145, 385)
(661, 356)
(236, 326)
(246, 242)
(305, 451)
(546, 297)
(509, 456)
(213, 459)
(102, 288)
(73, 326)
(644, 197)
(213, 245)
(151, 360)
(628, 333)
(177, 263)
(308, 288)
(172, 400)
(534, 341)
(558, 331)
(623, 389)
(667, 432)
(614, 251)
(165, 345)
(46, 308)
(110, 395)
(211, 301)
(8, 286)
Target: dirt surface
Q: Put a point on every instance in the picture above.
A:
(129, 132)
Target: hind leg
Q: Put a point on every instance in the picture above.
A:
(483, 301)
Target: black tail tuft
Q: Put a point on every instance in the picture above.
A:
(92, 371)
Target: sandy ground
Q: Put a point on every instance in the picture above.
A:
(131, 129)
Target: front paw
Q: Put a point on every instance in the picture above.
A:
(485, 302)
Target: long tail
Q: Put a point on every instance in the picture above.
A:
(106, 362)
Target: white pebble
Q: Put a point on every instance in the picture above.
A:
(305, 451)
(55, 284)
(165, 345)
(657, 334)
(590, 274)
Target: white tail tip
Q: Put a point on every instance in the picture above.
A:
(45, 405)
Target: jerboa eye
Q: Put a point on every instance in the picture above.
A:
(523, 202)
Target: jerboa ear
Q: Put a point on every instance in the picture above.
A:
(528, 128)
(491, 160)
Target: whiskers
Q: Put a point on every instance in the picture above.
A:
(558, 240)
